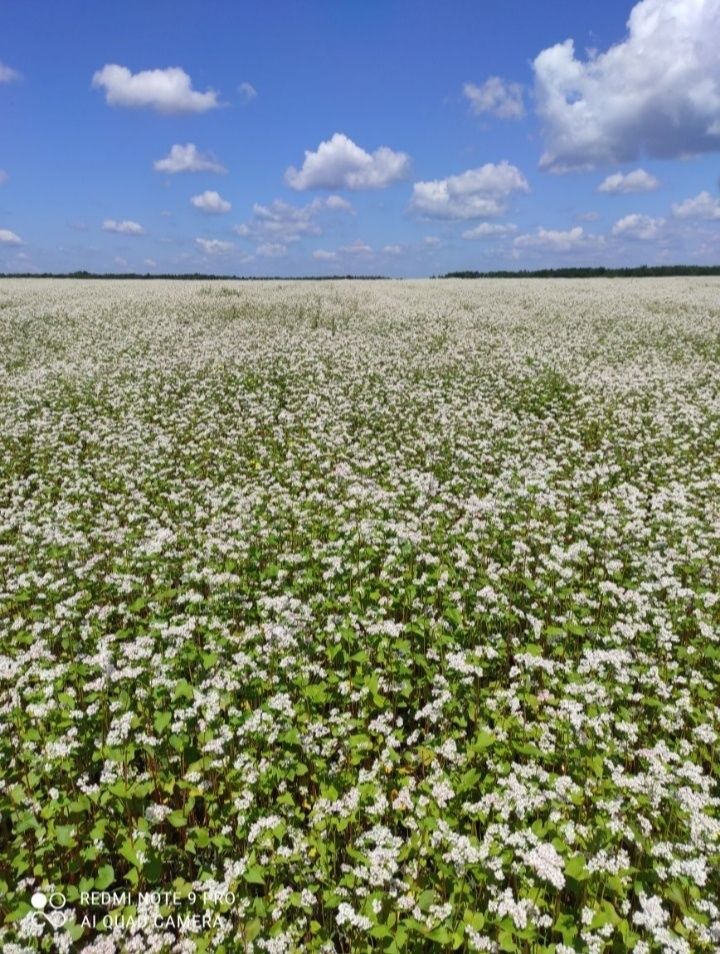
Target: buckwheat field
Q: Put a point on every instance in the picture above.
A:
(360, 616)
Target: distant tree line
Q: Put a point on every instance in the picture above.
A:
(194, 276)
(640, 271)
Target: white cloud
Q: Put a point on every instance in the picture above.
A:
(636, 226)
(211, 203)
(358, 247)
(187, 159)
(8, 74)
(126, 227)
(636, 181)
(557, 241)
(475, 194)
(9, 238)
(496, 96)
(392, 249)
(337, 203)
(271, 249)
(247, 92)
(702, 206)
(167, 91)
(214, 246)
(150, 262)
(283, 222)
(656, 92)
(488, 230)
(3, 177)
(340, 164)
(588, 216)
(279, 219)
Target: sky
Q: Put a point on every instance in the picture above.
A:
(330, 137)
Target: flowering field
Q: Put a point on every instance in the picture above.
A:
(367, 616)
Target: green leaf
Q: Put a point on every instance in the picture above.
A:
(153, 869)
(507, 942)
(105, 877)
(605, 915)
(128, 852)
(161, 721)
(254, 875)
(482, 740)
(426, 899)
(64, 836)
(74, 930)
(441, 935)
(533, 649)
(575, 868)
(18, 912)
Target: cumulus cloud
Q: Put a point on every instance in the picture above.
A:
(636, 181)
(358, 247)
(126, 227)
(702, 206)
(9, 238)
(187, 159)
(638, 227)
(247, 92)
(496, 96)
(337, 203)
(657, 92)
(214, 246)
(271, 249)
(211, 203)
(487, 230)
(475, 194)
(281, 221)
(8, 74)
(167, 91)
(553, 240)
(340, 164)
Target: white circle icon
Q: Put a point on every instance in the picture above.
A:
(39, 900)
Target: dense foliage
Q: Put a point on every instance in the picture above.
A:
(639, 271)
(191, 277)
(360, 617)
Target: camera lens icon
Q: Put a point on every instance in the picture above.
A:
(39, 900)
(57, 900)
(51, 907)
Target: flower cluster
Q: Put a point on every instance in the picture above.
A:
(378, 616)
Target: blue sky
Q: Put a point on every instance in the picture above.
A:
(401, 137)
